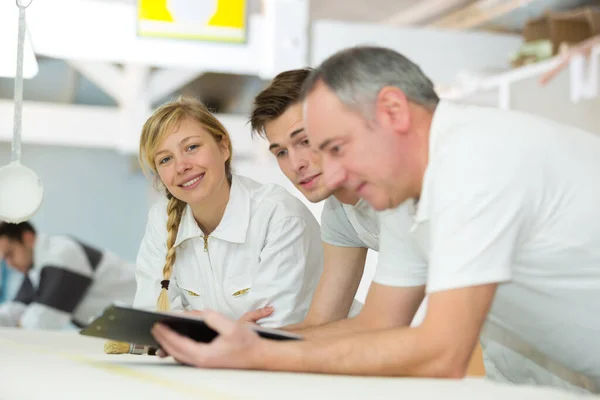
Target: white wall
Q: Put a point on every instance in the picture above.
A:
(553, 102)
(93, 194)
(441, 54)
(571, 97)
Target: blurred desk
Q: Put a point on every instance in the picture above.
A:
(43, 364)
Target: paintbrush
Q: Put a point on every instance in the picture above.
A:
(114, 347)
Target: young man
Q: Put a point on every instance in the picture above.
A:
(504, 212)
(66, 284)
(349, 226)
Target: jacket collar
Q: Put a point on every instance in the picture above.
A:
(233, 225)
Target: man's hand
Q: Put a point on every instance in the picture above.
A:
(440, 347)
(236, 346)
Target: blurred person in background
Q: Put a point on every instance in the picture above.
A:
(66, 282)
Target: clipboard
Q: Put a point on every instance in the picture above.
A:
(131, 325)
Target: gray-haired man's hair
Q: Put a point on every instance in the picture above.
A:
(356, 75)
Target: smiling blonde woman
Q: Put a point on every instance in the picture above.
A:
(218, 240)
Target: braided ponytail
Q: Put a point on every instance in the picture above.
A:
(175, 209)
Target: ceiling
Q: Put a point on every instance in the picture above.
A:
(58, 82)
(424, 12)
(357, 10)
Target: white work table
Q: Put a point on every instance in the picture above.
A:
(65, 365)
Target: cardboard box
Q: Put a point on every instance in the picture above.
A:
(570, 27)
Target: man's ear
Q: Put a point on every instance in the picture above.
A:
(392, 108)
(29, 238)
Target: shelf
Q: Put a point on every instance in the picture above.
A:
(581, 73)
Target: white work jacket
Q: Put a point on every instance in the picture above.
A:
(69, 284)
(265, 251)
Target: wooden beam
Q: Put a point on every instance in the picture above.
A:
(167, 80)
(108, 77)
(478, 13)
(78, 125)
(423, 11)
(502, 29)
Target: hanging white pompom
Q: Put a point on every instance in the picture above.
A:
(24, 3)
(21, 190)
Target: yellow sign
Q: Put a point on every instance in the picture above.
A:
(208, 20)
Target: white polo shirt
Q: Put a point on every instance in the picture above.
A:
(69, 284)
(514, 199)
(359, 225)
(346, 225)
(265, 251)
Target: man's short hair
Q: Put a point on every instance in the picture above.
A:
(15, 231)
(357, 74)
(272, 102)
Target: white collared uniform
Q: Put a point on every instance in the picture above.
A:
(514, 199)
(69, 284)
(265, 251)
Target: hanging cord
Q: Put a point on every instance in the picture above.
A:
(16, 142)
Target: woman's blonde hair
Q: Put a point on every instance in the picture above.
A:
(160, 124)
